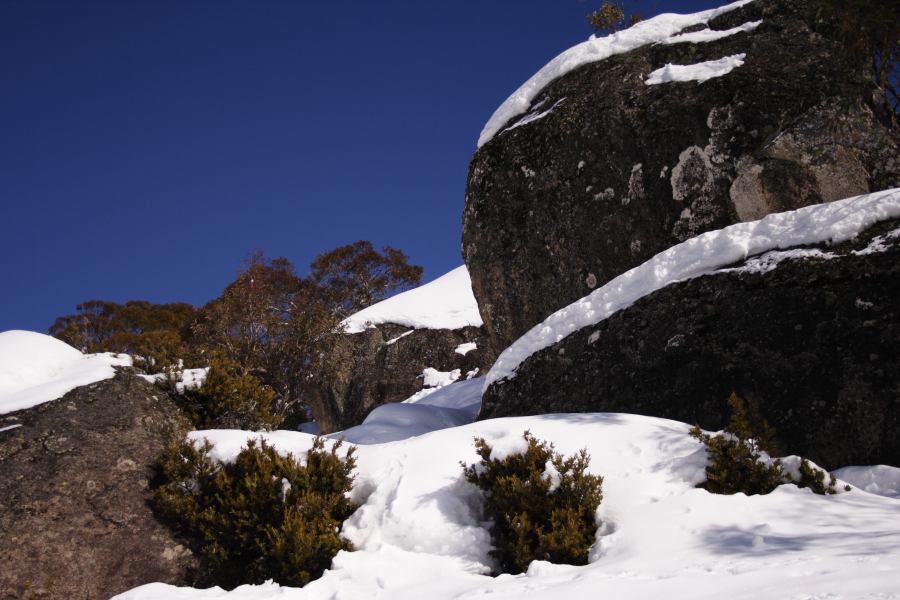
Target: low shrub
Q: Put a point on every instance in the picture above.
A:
(542, 505)
(229, 399)
(263, 516)
(735, 458)
(735, 463)
(814, 478)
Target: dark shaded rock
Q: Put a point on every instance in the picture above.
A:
(384, 364)
(620, 171)
(816, 341)
(73, 498)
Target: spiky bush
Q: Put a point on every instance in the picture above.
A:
(735, 463)
(263, 516)
(230, 399)
(814, 479)
(735, 458)
(542, 505)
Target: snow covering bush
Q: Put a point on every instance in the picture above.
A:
(542, 505)
(739, 459)
(736, 462)
(229, 399)
(262, 516)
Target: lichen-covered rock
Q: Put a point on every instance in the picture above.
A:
(73, 499)
(618, 170)
(384, 364)
(815, 338)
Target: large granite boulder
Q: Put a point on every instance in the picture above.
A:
(815, 338)
(603, 171)
(385, 364)
(75, 474)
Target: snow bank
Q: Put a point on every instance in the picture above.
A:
(698, 72)
(449, 405)
(832, 222)
(445, 303)
(418, 532)
(660, 29)
(879, 479)
(36, 368)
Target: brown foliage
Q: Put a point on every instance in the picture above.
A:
(610, 18)
(355, 276)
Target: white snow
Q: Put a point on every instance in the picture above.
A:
(698, 72)
(36, 368)
(466, 348)
(710, 35)
(185, 379)
(883, 480)
(434, 378)
(418, 532)
(832, 222)
(770, 260)
(651, 31)
(534, 115)
(445, 303)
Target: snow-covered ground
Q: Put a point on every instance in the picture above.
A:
(445, 303)
(418, 533)
(661, 29)
(833, 222)
(36, 368)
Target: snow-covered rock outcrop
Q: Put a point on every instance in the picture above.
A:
(36, 368)
(625, 145)
(391, 351)
(799, 309)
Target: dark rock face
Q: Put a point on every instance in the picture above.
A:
(73, 498)
(384, 364)
(619, 170)
(816, 341)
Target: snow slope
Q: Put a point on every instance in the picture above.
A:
(833, 222)
(660, 29)
(418, 533)
(36, 368)
(445, 303)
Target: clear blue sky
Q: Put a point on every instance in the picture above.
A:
(147, 147)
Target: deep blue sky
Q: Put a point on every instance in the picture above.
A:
(147, 147)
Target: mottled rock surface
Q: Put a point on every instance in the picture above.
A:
(73, 494)
(619, 171)
(384, 364)
(815, 340)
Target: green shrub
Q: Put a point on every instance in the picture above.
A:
(263, 516)
(734, 458)
(814, 479)
(229, 399)
(537, 514)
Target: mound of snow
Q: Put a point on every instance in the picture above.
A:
(883, 480)
(418, 532)
(660, 29)
(445, 303)
(450, 405)
(36, 368)
(833, 222)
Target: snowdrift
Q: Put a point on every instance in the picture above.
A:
(445, 303)
(36, 368)
(418, 533)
